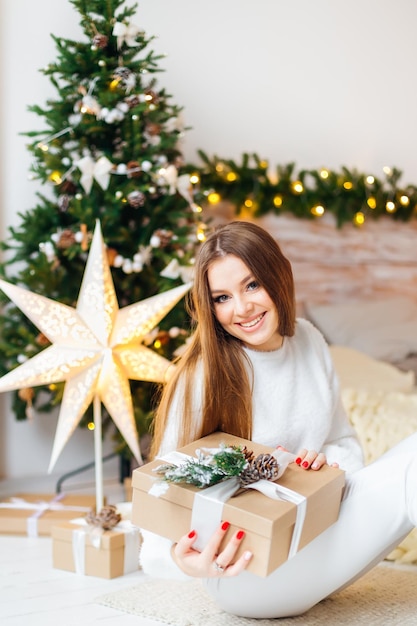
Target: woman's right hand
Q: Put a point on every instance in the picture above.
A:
(210, 563)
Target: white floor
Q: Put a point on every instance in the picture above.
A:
(33, 593)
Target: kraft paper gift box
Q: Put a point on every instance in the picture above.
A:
(79, 548)
(268, 524)
(34, 514)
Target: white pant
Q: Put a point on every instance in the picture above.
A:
(378, 510)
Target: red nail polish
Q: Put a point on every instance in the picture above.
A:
(240, 535)
(305, 464)
(298, 460)
(225, 525)
(191, 534)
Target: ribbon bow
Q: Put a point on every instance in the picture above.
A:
(177, 183)
(174, 270)
(125, 33)
(94, 170)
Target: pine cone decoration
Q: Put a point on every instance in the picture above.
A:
(63, 202)
(107, 519)
(136, 199)
(124, 74)
(133, 101)
(263, 466)
(248, 454)
(133, 169)
(68, 187)
(153, 129)
(152, 96)
(66, 239)
(164, 236)
(100, 40)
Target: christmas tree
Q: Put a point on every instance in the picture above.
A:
(108, 151)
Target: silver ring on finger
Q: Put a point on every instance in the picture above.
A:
(218, 567)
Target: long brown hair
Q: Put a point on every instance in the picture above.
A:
(227, 402)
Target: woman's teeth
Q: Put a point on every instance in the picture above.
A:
(253, 322)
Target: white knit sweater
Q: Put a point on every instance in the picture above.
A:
(296, 404)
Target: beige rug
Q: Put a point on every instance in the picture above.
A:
(385, 596)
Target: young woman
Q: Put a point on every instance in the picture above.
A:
(254, 371)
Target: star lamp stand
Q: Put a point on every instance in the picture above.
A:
(95, 349)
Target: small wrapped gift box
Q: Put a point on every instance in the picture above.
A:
(275, 528)
(34, 514)
(91, 551)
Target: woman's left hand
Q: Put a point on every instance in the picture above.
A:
(310, 459)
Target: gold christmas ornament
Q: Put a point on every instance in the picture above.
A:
(96, 348)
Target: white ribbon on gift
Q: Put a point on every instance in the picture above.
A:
(207, 511)
(126, 33)
(94, 170)
(40, 508)
(79, 536)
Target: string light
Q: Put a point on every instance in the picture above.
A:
(55, 177)
(194, 179)
(248, 203)
(201, 233)
(213, 198)
(297, 186)
(231, 177)
(367, 193)
(114, 84)
(91, 426)
(317, 210)
(359, 218)
(157, 344)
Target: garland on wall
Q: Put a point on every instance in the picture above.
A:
(254, 189)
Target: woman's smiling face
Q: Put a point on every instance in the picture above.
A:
(241, 305)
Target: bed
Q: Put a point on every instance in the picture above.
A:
(359, 287)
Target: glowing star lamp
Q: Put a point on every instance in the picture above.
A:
(96, 348)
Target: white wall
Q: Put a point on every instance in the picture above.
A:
(321, 83)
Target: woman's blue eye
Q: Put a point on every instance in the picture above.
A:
(253, 285)
(220, 299)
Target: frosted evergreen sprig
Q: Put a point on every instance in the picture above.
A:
(208, 468)
(211, 467)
